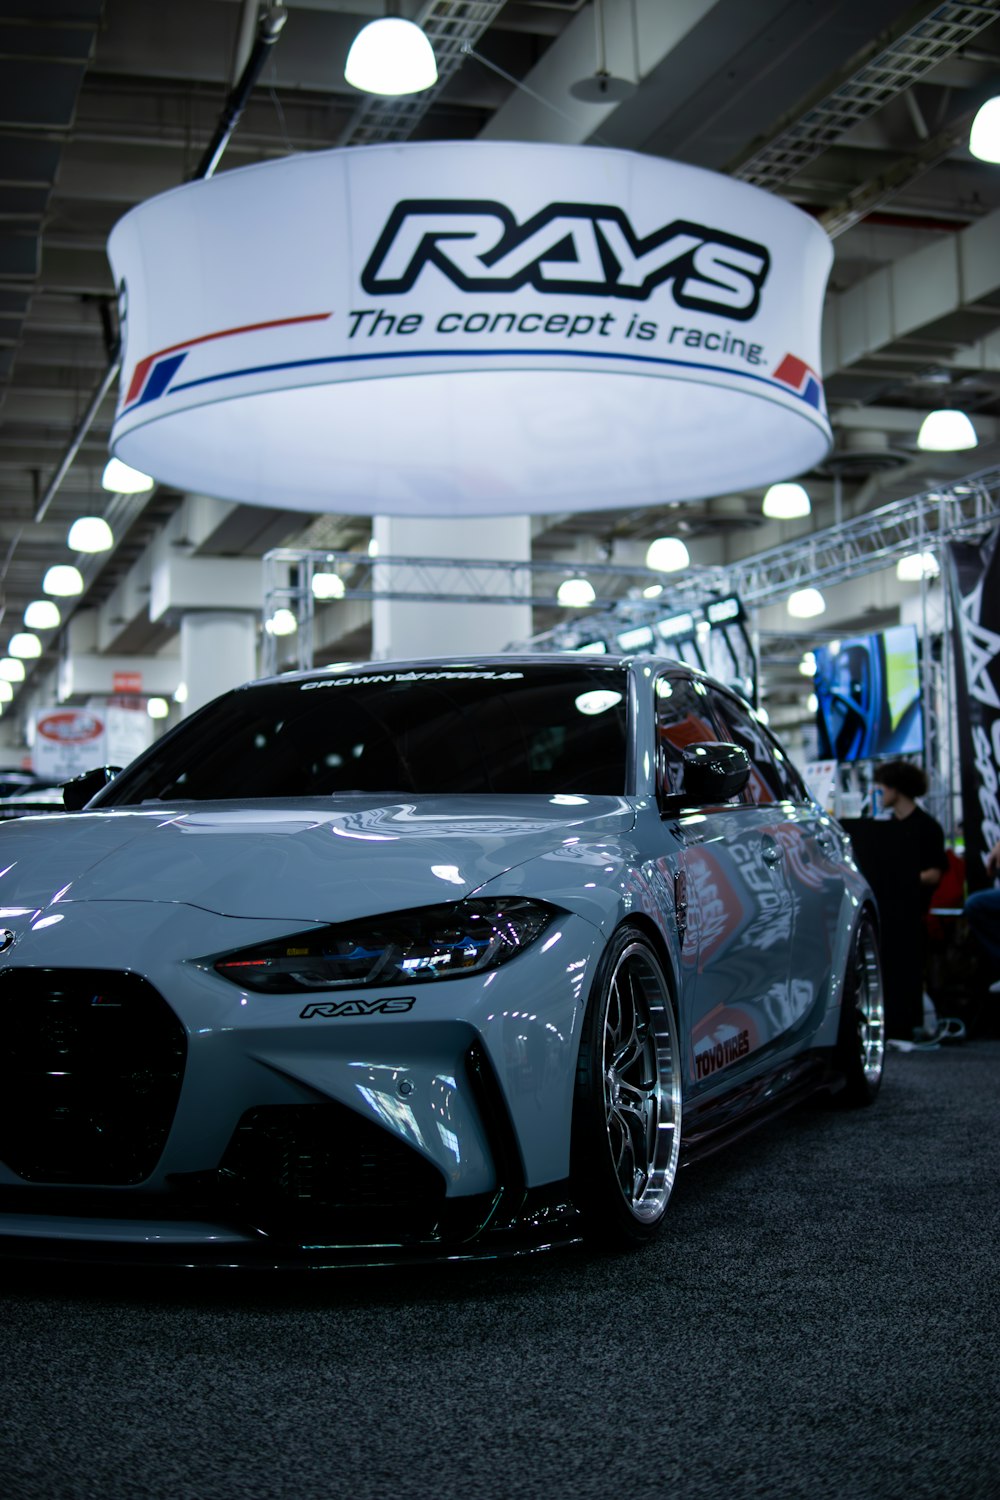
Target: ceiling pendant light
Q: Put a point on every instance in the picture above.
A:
(984, 137)
(327, 586)
(25, 644)
(42, 614)
(122, 479)
(805, 604)
(6, 691)
(603, 87)
(90, 534)
(916, 566)
(576, 593)
(63, 580)
(786, 502)
(282, 622)
(157, 708)
(11, 669)
(391, 57)
(667, 554)
(946, 431)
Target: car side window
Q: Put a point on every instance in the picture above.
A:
(683, 717)
(772, 777)
(796, 787)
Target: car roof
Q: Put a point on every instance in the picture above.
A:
(499, 662)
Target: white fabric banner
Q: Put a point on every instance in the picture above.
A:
(469, 327)
(67, 742)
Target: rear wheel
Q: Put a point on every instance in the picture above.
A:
(860, 1050)
(628, 1103)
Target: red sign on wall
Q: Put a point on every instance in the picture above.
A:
(126, 682)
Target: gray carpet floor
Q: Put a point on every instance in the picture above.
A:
(820, 1320)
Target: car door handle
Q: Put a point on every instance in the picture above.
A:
(772, 852)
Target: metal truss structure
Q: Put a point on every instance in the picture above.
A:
(922, 523)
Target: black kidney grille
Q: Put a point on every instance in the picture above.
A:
(91, 1063)
(322, 1169)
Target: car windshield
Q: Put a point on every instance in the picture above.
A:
(522, 728)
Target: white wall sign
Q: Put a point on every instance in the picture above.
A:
(459, 328)
(67, 742)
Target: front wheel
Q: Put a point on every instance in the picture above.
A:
(628, 1103)
(860, 1053)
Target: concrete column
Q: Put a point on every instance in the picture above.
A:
(403, 629)
(218, 652)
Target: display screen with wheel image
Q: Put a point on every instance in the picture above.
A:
(868, 696)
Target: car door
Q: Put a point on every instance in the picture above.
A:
(731, 897)
(797, 847)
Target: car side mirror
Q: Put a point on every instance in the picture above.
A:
(712, 772)
(78, 792)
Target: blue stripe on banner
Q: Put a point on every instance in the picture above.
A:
(812, 393)
(162, 374)
(644, 359)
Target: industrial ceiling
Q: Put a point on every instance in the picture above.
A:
(858, 111)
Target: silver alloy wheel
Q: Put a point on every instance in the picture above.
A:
(869, 1003)
(642, 1085)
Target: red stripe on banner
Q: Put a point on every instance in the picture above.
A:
(142, 368)
(792, 371)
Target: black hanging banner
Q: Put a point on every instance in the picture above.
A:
(974, 581)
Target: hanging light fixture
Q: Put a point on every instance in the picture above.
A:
(122, 479)
(42, 614)
(391, 57)
(157, 708)
(6, 691)
(11, 669)
(946, 431)
(576, 593)
(25, 644)
(918, 565)
(804, 604)
(327, 586)
(984, 137)
(807, 666)
(282, 622)
(90, 534)
(63, 580)
(667, 554)
(603, 87)
(786, 502)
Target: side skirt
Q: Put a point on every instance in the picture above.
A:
(712, 1124)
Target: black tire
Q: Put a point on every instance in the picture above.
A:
(860, 1052)
(628, 1103)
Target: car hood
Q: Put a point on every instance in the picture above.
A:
(307, 861)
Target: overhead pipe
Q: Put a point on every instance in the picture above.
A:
(269, 27)
(82, 428)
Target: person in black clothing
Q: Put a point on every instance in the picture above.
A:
(920, 862)
(901, 784)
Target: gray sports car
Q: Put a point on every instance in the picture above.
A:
(419, 959)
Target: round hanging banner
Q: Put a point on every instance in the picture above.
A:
(469, 328)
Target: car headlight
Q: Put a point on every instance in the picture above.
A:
(433, 942)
